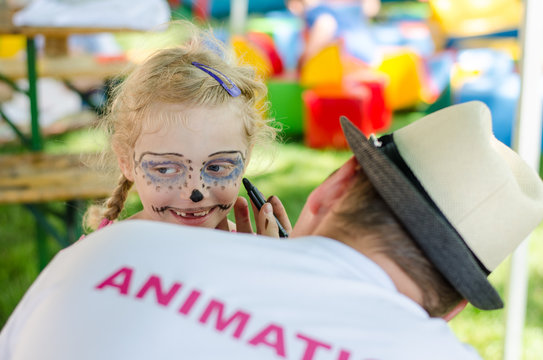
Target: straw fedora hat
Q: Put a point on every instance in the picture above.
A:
(464, 197)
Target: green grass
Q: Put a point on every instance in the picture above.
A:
(289, 171)
(486, 330)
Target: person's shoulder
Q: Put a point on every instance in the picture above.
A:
(412, 336)
(434, 339)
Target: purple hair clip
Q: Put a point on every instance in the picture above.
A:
(233, 90)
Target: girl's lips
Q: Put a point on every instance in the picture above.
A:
(193, 218)
(192, 213)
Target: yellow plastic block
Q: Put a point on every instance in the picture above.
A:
(10, 45)
(250, 54)
(461, 18)
(405, 79)
(324, 68)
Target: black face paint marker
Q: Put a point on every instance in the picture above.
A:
(256, 197)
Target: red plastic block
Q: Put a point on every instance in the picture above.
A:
(377, 111)
(323, 108)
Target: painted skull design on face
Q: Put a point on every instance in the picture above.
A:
(189, 172)
(172, 170)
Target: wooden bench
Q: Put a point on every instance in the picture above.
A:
(63, 67)
(38, 179)
(41, 177)
(57, 63)
(75, 121)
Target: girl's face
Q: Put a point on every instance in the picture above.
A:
(189, 171)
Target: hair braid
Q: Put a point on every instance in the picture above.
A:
(115, 203)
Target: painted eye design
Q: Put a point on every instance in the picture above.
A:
(166, 170)
(222, 169)
(163, 169)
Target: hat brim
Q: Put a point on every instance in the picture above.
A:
(437, 238)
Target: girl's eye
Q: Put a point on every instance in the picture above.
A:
(163, 169)
(222, 169)
(214, 168)
(166, 170)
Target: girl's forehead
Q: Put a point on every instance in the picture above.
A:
(196, 132)
(194, 117)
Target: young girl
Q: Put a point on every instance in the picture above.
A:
(182, 126)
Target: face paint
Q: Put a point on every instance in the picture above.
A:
(223, 169)
(159, 210)
(225, 207)
(171, 170)
(196, 195)
(163, 170)
(188, 171)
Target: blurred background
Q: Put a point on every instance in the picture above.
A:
(381, 63)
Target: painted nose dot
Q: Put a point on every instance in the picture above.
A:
(196, 195)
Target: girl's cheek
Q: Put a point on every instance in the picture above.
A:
(226, 194)
(155, 193)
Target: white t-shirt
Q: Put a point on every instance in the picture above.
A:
(147, 290)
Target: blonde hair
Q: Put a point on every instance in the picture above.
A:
(169, 77)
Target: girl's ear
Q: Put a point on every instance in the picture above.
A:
(248, 157)
(126, 167)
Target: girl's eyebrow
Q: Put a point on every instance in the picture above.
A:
(158, 154)
(228, 152)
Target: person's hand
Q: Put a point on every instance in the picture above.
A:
(243, 220)
(264, 219)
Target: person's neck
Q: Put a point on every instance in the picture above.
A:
(369, 248)
(401, 280)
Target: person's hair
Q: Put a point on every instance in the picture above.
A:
(168, 77)
(367, 214)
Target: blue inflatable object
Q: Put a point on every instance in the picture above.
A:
(390, 33)
(488, 62)
(498, 86)
(501, 95)
(439, 67)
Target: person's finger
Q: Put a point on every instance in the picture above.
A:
(223, 225)
(255, 210)
(266, 223)
(280, 213)
(241, 213)
(256, 213)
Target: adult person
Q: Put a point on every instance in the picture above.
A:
(346, 21)
(387, 248)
